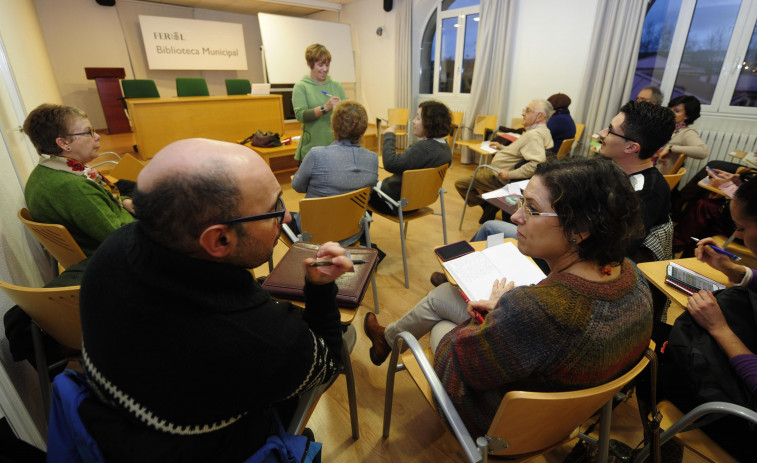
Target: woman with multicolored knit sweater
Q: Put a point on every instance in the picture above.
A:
(587, 323)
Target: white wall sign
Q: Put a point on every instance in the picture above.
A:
(175, 43)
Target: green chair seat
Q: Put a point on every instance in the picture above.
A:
(191, 86)
(238, 87)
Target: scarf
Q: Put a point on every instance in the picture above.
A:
(72, 166)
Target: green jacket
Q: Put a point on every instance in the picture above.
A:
(85, 208)
(306, 96)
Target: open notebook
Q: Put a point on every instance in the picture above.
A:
(475, 272)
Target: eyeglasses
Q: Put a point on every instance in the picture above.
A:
(530, 212)
(91, 132)
(279, 213)
(609, 131)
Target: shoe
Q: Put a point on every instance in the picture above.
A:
(438, 278)
(261, 280)
(380, 349)
(490, 213)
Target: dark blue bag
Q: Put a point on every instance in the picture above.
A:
(282, 447)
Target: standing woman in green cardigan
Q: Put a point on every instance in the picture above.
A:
(313, 99)
(62, 189)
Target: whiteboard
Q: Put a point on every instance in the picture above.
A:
(285, 39)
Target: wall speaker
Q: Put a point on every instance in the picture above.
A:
(106, 2)
(387, 5)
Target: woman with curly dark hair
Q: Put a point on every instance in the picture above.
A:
(685, 139)
(431, 124)
(587, 323)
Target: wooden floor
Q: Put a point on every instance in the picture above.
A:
(417, 433)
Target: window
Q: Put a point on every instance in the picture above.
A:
(448, 67)
(705, 48)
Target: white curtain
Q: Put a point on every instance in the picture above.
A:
(612, 61)
(490, 88)
(403, 89)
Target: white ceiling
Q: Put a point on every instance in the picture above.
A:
(283, 7)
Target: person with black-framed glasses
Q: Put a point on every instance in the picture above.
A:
(185, 349)
(631, 138)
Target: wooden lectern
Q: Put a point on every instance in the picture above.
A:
(109, 89)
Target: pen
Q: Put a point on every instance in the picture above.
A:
(712, 172)
(326, 263)
(327, 94)
(733, 257)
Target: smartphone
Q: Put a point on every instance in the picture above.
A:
(691, 278)
(454, 250)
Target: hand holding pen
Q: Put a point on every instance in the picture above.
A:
(337, 258)
(731, 256)
(333, 101)
(717, 258)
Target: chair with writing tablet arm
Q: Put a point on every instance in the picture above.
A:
(420, 189)
(55, 238)
(526, 424)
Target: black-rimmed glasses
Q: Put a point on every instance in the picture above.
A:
(91, 132)
(609, 130)
(279, 213)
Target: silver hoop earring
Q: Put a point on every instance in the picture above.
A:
(573, 241)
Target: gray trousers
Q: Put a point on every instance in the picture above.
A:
(438, 313)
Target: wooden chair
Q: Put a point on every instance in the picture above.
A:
(579, 131)
(335, 218)
(677, 425)
(127, 169)
(55, 238)
(673, 179)
(679, 163)
(565, 148)
(105, 162)
(457, 121)
(54, 310)
(516, 123)
(525, 424)
(420, 189)
(481, 124)
(470, 188)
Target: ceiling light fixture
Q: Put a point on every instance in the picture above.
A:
(314, 4)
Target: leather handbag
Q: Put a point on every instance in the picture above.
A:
(262, 139)
(287, 280)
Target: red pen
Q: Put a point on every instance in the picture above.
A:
(478, 316)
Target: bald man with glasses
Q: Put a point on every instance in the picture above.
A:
(184, 350)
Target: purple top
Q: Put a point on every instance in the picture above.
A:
(746, 367)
